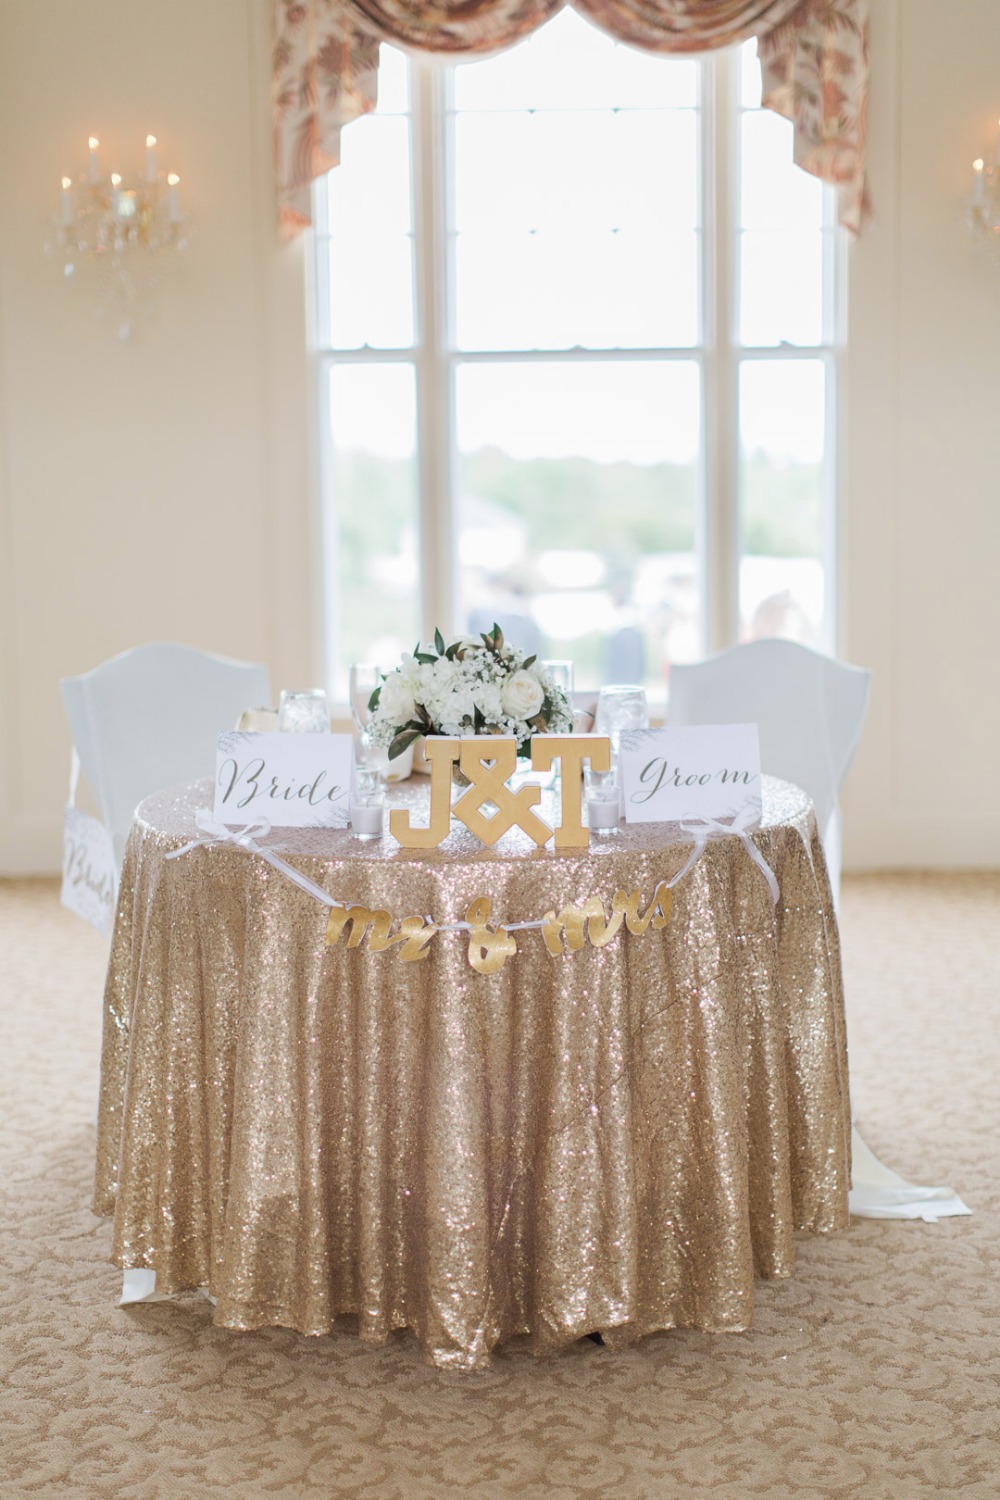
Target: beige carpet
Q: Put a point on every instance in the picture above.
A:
(874, 1373)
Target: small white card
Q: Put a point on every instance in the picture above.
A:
(89, 876)
(292, 780)
(699, 771)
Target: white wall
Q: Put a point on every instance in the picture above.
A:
(923, 450)
(162, 490)
(157, 490)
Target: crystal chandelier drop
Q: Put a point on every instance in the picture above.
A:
(984, 205)
(123, 231)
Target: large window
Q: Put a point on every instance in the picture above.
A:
(576, 329)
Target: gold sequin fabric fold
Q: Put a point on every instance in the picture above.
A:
(618, 1138)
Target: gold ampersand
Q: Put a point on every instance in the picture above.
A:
(489, 949)
(488, 769)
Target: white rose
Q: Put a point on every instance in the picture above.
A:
(395, 700)
(521, 695)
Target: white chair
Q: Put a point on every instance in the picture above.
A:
(809, 708)
(148, 719)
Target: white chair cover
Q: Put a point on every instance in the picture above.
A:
(809, 709)
(148, 719)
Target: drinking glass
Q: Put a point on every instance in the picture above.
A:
(561, 673)
(620, 706)
(304, 712)
(365, 677)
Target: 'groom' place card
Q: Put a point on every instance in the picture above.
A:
(292, 780)
(699, 771)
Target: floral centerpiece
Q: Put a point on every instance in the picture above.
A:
(477, 685)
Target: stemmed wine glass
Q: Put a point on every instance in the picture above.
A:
(561, 673)
(621, 706)
(365, 677)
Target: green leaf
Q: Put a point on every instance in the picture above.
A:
(529, 661)
(478, 719)
(438, 642)
(425, 658)
(373, 700)
(402, 742)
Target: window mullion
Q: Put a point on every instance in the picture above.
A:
(719, 540)
(434, 397)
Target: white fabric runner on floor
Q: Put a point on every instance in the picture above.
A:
(880, 1193)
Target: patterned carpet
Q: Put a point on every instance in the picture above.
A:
(873, 1374)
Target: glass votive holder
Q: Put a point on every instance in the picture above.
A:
(603, 800)
(304, 712)
(367, 804)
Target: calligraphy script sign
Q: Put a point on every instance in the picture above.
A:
(89, 870)
(698, 771)
(292, 780)
(490, 807)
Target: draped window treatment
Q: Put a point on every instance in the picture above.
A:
(813, 54)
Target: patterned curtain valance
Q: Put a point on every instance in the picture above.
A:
(813, 53)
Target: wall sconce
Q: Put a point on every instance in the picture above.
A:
(123, 230)
(984, 205)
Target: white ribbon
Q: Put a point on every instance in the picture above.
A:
(246, 837)
(703, 829)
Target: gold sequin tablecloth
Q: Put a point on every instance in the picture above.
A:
(616, 1139)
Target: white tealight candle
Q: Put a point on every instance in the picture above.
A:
(367, 818)
(93, 174)
(603, 809)
(67, 200)
(150, 158)
(173, 202)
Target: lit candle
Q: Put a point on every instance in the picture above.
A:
(150, 158)
(978, 191)
(67, 200)
(116, 183)
(173, 212)
(93, 175)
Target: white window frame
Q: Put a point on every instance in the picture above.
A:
(434, 357)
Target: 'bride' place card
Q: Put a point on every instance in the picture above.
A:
(292, 780)
(695, 772)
